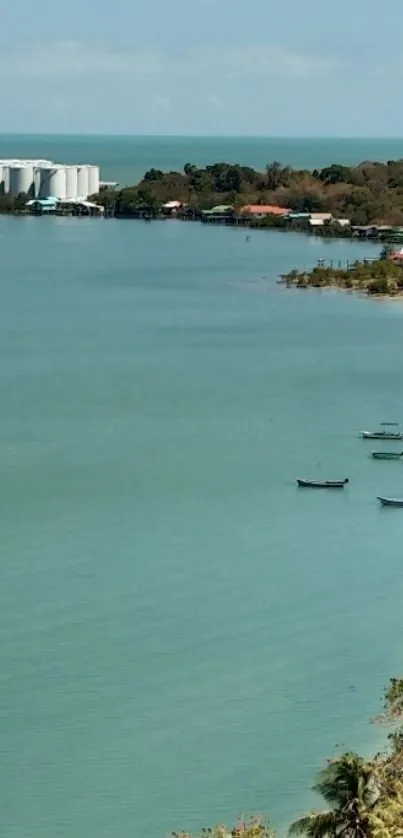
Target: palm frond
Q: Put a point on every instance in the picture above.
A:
(346, 779)
(316, 825)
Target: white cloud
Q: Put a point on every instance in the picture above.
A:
(264, 62)
(70, 59)
(74, 59)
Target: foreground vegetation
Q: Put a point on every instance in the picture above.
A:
(364, 797)
(369, 193)
(382, 277)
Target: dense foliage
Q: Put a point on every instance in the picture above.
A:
(368, 193)
(382, 276)
(8, 203)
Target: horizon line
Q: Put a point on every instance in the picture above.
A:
(292, 137)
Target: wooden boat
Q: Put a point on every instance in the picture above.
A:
(381, 435)
(387, 455)
(323, 484)
(391, 501)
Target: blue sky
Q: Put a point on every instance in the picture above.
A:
(254, 67)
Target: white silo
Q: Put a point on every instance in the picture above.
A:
(82, 182)
(37, 181)
(6, 179)
(22, 179)
(53, 182)
(44, 188)
(71, 182)
(58, 182)
(93, 180)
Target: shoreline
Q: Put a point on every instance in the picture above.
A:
(317, 234)
(380, 278)
(395, 298)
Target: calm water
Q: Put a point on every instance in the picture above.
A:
(125, 159)
(184, 635)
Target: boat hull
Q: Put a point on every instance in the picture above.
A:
(398, 502)
(387, 455)
(322, 484)
(381, 435)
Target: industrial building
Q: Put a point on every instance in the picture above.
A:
(45, 179)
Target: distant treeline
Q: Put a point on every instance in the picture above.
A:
(370, 193)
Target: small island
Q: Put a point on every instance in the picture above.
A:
(382, 277)
(363, 201)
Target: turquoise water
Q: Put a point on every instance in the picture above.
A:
(126, 158)
(185, 636)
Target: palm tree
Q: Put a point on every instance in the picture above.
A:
(349, 786)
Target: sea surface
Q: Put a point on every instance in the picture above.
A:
(125, 159)
(185, 636)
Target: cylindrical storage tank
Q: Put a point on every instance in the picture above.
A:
(6, 179)
(82, 182)
(93, 180)
(37, 181)
(53, 182)
(57, 182)
(1, 180)
(44, 188)
(71, 182)
(21, 180)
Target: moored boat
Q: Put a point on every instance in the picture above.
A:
(382, 435)
(387, 455)
(322, 484)
(391, 501)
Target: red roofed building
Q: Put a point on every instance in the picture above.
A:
(264, 209)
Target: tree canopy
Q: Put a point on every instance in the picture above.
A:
(369, 193)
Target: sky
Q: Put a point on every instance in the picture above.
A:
(225, 67)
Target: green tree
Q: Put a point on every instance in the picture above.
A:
(393, 699)
(274, 174)
(154, 174)
(307, 202)
(379, 285)
(335, 174)
(349, 786)
(20, 201)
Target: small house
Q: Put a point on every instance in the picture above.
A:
(323, 217)
(365, 231)
(299, 216)
(261, 210)
(221, 214)
(42, 206)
